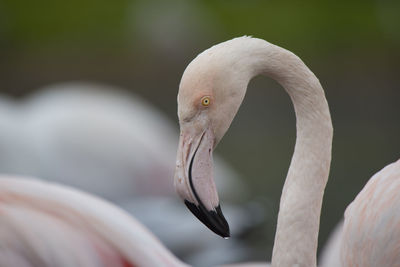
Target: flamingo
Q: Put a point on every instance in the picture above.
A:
(210, 93)
(44, 224)
(369, 235)
(371, 227)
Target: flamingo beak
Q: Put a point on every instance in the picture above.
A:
(194, 180)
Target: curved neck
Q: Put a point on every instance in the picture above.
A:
(296, 235)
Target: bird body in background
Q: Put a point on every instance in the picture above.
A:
(369, 235)
(81, 134)
(371, 229)
(43, 224)
(330, 254)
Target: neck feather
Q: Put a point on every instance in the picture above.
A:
(300, 206)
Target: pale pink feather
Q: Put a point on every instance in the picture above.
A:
(371, 231)
(45, 224)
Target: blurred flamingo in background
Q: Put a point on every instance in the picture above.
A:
(44, 224)
(330, 254)
(117, 146)
(371, 229)
(369, 235)
(83, 133)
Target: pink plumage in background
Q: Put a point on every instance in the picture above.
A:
(369, 235)
(44, 224)
(371, 230)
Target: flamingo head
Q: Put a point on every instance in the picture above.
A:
(210, 94)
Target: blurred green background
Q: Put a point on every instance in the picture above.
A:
(144, 46)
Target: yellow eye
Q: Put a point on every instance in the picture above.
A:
(205, 101)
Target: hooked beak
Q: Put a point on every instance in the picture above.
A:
(194, 181)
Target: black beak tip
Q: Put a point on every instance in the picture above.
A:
(213, 219)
